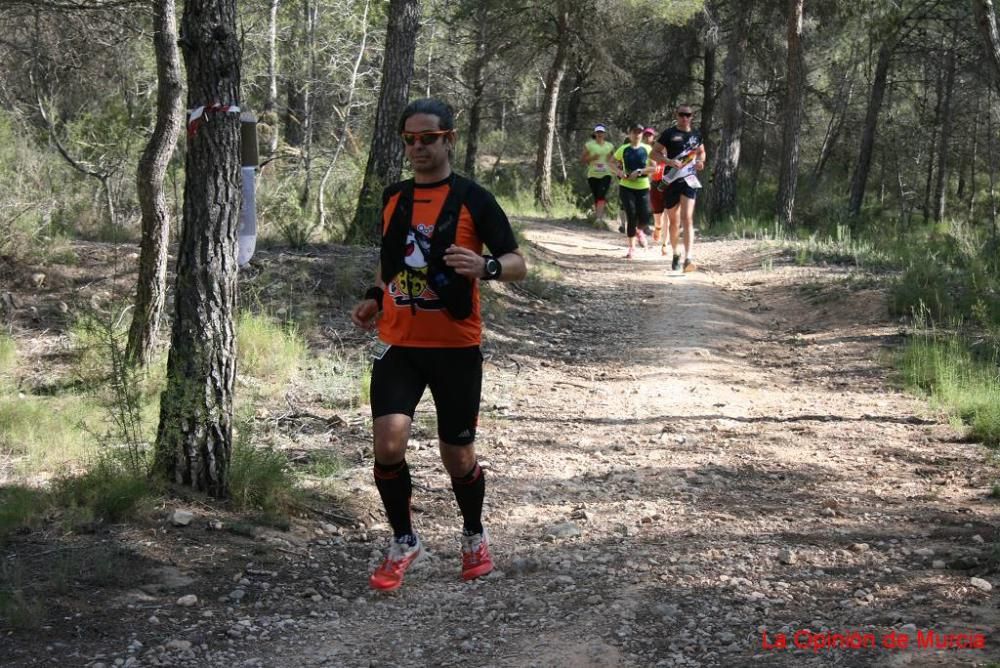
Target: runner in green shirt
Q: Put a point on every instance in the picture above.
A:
(634, 167)
(597, 156)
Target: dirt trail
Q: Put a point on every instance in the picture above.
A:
(676, 464)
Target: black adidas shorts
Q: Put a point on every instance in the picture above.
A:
(455, 376)
(672, 195)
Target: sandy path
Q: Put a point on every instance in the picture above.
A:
(676, 464)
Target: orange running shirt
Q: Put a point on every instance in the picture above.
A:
(412, 314)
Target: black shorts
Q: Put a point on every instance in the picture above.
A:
(672, 195)
(599, 186)
(455, 376)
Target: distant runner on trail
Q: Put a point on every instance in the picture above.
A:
(633, 168)
(655, 194)
(425, 303)
(597, 156)
(681, 149)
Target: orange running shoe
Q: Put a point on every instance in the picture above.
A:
(401, 555)
(476, 559)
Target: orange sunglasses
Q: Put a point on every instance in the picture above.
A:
(426, 138)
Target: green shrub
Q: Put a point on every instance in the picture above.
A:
(260, 479)
(21, 611)
(958, 378)
(20, 507)
(109, 491)
(270, 352)
(46, 433)
(343, 378)
(324, 464)
(8, 354)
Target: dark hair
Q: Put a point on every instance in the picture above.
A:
(432, 107)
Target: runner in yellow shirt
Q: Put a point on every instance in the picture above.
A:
(633, 168)
(597, 156)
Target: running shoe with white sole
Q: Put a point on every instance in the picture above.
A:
(401, 555)
(476, 559)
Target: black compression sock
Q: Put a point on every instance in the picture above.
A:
(470, 490)
(395, 488)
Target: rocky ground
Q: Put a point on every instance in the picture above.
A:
(682, 471)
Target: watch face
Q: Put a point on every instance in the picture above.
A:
(492, 267)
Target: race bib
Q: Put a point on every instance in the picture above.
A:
(379, 348)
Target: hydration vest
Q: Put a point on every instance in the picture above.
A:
(454, 290)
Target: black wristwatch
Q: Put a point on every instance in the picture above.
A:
(493, 268)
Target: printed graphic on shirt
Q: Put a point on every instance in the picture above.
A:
(411, 286)
(413, 314)
(677, 141)
(635, 157)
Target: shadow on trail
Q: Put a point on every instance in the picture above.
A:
(762, 419)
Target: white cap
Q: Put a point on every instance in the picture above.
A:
(599, 128)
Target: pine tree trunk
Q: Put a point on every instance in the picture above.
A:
(973, 159)
(385, 159)
(793, 115)
(987, 22)
(477, 66)
(836, 123)
(708, 100)
(724, 181)
(547, 129)
(859, 182)
(194, 439)
(270, 115)
(571, 122)
(475, 126)
(152, 282)
(932, 160)
(944, 136)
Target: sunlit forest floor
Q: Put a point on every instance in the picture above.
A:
(682, 470)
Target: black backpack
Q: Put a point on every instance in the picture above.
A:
(454, 290)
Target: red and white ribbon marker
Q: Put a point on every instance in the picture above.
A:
(196, 116)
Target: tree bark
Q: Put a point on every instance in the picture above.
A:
(194, 439)
(944, 136)
(385, 159)
(476, 75)
(308, 101)
(836, 123)
(794, 94)
(708, 99)
(271, 103)
(724, 199)
(571, 122)
(547, 128)
(932, 160)
(973, 159)
(859, 181)
(152, 281)
(711, 45)
(986, 20)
